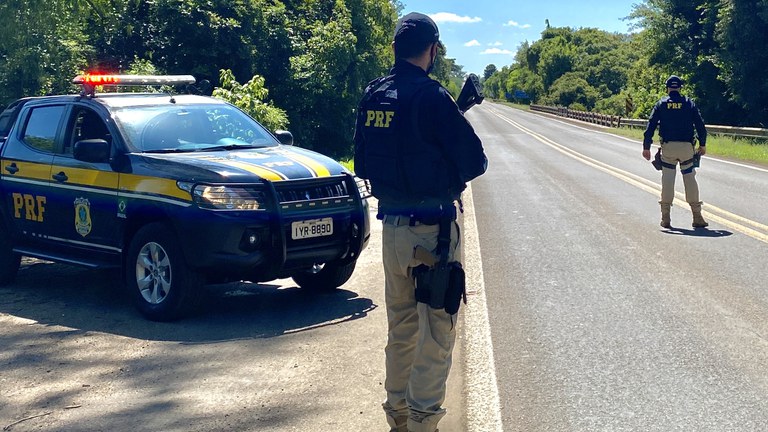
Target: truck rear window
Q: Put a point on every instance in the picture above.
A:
(42, 125)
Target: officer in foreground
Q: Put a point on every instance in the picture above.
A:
(678, 116)
(418, 151)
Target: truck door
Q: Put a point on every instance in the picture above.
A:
(26, 170)
(85, 210)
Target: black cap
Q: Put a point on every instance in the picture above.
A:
(416, 28)
(674, 82)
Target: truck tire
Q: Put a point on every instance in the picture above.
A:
(9, 260)
(324, 277)
(162, 285)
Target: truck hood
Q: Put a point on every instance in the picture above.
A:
(274, 164)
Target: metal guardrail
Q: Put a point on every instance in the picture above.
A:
(616, 121)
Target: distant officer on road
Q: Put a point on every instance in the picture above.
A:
(418, 151)
(678, 116)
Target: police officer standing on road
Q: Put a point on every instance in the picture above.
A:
(418, 151)
(678, 116)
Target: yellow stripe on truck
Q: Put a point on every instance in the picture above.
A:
(153, 186)
(29, 170)
(317, 169)
(260, 171)
(89, 177)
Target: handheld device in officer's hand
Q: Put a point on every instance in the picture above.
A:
(471, 93)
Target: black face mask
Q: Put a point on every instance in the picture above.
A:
(432, 64)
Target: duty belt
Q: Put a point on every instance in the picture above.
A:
(397, 220)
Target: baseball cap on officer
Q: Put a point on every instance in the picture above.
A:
(674, 82)
(416, 28)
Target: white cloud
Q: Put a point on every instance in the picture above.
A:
(472, 43)
(512, 23)
(497, 51)
(447, 17)
(495, 44)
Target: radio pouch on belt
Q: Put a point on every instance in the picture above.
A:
(441, 286)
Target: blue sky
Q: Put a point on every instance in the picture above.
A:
(480, 32)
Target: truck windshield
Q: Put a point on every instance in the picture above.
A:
(179, 128)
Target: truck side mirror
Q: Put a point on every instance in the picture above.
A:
(284, 137)
(92, 150)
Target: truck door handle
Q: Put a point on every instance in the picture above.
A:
(60, 177)
(12, 168)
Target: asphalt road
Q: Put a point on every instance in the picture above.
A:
(75, 356)
(600, 320)
(584, 315)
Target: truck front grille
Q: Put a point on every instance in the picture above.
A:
(312, 193)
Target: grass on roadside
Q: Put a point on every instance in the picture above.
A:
(745, 149)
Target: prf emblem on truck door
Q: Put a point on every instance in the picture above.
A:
(83, 216)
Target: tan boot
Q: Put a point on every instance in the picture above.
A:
(397, 424)
(698, 219)
(665, 218)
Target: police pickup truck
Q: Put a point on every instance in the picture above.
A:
(176, 190)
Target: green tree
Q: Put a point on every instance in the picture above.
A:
(571, 89)
(743, 31)
(489, 70)
(680, 37)
(251, 97)
(42, 47)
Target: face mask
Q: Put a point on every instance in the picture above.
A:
(432, 64)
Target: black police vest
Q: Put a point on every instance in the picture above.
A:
(406, 172)
(676, 119)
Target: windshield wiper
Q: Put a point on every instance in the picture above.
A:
(230, 147)
(169, 150)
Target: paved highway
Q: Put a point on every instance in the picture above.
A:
(599, 319)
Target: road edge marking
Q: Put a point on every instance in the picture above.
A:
(722, 216)
(632, 140)
(483, 409)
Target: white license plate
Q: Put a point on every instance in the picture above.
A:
(312, 228)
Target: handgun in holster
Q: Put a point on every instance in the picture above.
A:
(439, 283)
(656, 162)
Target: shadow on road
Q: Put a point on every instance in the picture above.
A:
(94, 300)
(698, 232)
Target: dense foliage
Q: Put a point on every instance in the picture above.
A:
(310, 58)
(716, 46)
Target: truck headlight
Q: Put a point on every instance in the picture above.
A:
(217, 197)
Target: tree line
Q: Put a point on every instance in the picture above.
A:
(301, 64)
(717, 47)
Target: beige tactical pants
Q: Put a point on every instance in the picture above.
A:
(673, 152)
(420, 339)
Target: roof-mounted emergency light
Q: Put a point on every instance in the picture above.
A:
(89, 82)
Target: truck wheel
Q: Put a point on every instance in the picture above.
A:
(162, 285)
(9, 260)
(324, 277)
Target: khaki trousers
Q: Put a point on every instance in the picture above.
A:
(420, 339)
(672, 153)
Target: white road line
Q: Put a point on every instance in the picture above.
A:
(723, 217)
(483, 408)
(707, 157)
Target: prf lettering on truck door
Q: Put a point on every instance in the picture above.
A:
(33, 206)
